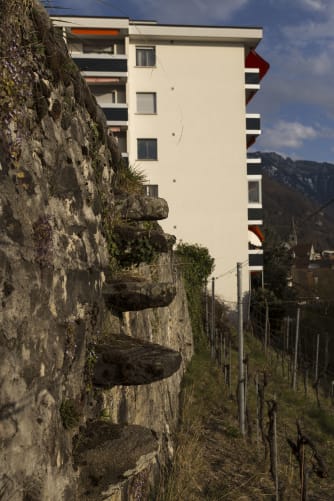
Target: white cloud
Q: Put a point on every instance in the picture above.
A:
(286, 134)
(313, 4)
(317, 29)
(189, 11)
(308, 33)
(302, 68)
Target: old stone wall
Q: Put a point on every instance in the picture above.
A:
(57, 207)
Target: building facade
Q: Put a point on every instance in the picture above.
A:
(176, 99)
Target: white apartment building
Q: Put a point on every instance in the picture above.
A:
(176, 99)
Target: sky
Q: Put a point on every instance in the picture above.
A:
(296, 100)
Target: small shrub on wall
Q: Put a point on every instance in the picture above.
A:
(196, 265)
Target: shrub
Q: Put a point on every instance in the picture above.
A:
(196, 265)
(69, 414)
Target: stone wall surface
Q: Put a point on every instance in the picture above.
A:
(57, 167)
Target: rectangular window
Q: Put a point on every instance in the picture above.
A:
(151, 190)
(254, 192)
(145, 56)
(146, 102)
(147, 149)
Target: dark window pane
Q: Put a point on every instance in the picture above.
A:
(141, 149)
(147, 149)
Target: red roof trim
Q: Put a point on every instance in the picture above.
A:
(253, 60)
(250, 141)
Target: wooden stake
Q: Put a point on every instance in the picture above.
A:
(257, 412)
(241, 381)
(295, 364)
(207, 329)
(266, 329)
(230, 366)
(316, 371)
(213, 320)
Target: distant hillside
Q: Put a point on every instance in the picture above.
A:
(297, 189)
(315, 180)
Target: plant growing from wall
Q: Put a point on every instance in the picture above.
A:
(128, 179)
(126, 250)
(196, 265)
(130, 250)
(69, 414)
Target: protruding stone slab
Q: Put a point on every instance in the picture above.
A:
(129, 361)
(108, 455)
(134, 296)
(142, 208)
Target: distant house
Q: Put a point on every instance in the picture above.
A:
(311, 269)
(175, 97)
(304, 254)
(328, 255)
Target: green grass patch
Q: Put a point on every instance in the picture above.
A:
(204, 381)
(324, 419)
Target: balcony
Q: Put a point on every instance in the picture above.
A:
(116, 114)
(254, 167)
(102, 65)
(255, 260)
(253, 128)
(255, 216)
(252, 82)
(95, 41)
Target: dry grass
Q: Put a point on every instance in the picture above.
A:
(181, 481)
(214, 463)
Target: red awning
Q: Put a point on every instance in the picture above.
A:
(253, 60)
(254, 240)
(94, 31)
(256, 230)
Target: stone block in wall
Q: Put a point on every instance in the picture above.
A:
(129, 361)
(142, 208)
(108, 455)
(137, 295)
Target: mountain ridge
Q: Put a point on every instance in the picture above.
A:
(314, 179)
(297, 190)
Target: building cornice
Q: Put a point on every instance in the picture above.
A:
(244, 36)
(150, 30)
